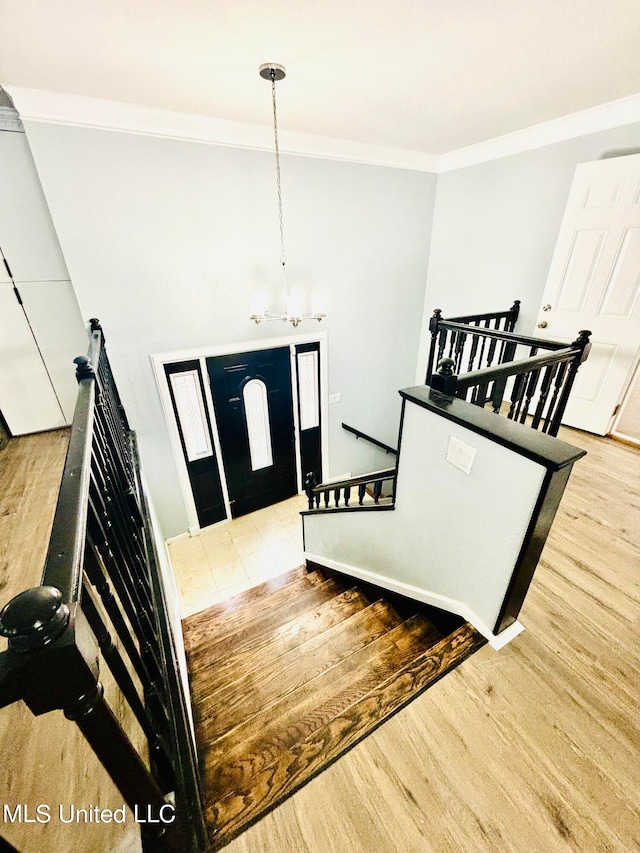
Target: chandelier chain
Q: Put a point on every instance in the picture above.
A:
(283, 259)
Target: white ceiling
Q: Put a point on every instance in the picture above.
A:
(426, 75)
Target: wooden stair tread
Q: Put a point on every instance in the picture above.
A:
(279, 641)
(264, 787)
(259, 616)
(218, 613)
(319, 700)
(288, 676)
(256, 692)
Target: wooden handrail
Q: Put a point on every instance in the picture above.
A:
(373, 477)
(513, 368)
(556, 371)
(511, 314)
(65, 554)
(359, 434)
(455, 330)
(341, 489)
(497, 334)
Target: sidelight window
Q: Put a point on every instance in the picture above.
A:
(187, 394)
(308, 390)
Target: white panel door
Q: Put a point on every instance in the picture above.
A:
(27, 399)
(594, 283)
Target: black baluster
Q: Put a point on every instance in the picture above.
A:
(442, 342)
(516, 397)
(138, 616)
(460, 344)
(557, 389)
(474, 349)
(377, 491)
(453, 336)
(117, 666)
(336, 496)
(362, 490)
(491, 352)
(531, 385)
(481, 394)
(96, 574)
(547, 378)
(123, 548)
(483, 346)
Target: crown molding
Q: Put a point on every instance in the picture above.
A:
(10, 120)
(38, 105)
(603, 117)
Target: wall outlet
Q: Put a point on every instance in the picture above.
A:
(460, 455)
(334, 398)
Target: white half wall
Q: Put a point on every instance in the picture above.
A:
(454, 538)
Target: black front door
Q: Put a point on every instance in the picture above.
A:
(254, 410)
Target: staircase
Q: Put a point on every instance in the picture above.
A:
(290, 674)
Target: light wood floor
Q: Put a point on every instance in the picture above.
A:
(30, 474)
(45, 759)
(533, 748)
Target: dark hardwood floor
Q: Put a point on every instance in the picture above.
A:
(289, 675)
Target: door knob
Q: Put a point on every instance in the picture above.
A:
(543, 324)
(546, 307)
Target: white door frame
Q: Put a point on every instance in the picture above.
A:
(200, 354)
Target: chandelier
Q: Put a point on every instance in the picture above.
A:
(293, 311)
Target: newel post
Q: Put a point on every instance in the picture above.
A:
(309, 485)
(514, 312)
(583, 344)
(445, 380)
(434, 328)
(52, 664)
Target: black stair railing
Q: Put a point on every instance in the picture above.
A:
(102, 562)
(541, 384)
(468, 341)
(352, 492)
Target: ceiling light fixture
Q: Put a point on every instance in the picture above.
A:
(293, 299)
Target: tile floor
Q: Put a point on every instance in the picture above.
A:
(230, 557)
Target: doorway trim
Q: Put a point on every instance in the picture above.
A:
(158, 361)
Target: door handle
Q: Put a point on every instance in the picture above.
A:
(546, 307)
(543, 324)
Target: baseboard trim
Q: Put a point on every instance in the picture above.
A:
(443, 602)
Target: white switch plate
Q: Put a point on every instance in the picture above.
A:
(334, 398)
(460, 455)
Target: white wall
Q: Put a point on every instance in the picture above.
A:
(495, 228)
(37, 382)
(453, 538)
(165, 239)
